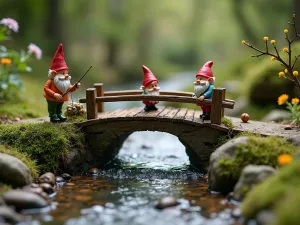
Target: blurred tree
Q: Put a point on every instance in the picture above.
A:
(296, 10)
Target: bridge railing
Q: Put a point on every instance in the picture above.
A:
(95, 98)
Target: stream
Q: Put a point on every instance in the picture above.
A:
(150, 165)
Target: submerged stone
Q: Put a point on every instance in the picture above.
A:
(94, 171)
(60, 179)
(167, 202)
(66, 176)
(48, 188)
(9, 215)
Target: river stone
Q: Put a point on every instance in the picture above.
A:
(295, 140)
(9, 215)
(22, 199)
(59, 179)
(250, 176)
(167, 202)
(16, 172)
(48, 188)
(277, 115)
(1, 201)
(47, 178)
(216, 181)
(66, 176)
(34, 185)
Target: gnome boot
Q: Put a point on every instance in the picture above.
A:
(206, 116)
(203, 115)
(62, 118)
(54, 119)
(153, 107)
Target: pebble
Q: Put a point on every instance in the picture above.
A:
(288, 128)
(48, 188)
(94, 171)
(66, 176)
(47, 178)
(22, 199)
(167, 202)
(236, 213)
(60, 179)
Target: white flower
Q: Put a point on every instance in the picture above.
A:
(10, 23)
(32, 48)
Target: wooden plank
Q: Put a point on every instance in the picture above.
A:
(120, 115)
(189, 115)
(110, 114)
(172, 113)
(216, 107)
(149, 115)
(164, 113)
(139, 92)
(180, 115)
(134, 112)
(197, 118)
(100, 89)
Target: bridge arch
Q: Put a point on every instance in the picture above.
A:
(106, 134)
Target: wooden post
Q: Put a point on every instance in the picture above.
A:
(91, 104)
(223, 99)
(216, 105)
(100, 93)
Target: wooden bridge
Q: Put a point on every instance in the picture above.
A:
(106, 131)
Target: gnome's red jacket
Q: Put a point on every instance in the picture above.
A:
(50, 89)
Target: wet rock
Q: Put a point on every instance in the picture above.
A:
(47, 178)
(295, 140)
(277, 115)
(48, 188)
(60, 179)
(250, 176)
(167, 202)
(66, 176)
(9, 215)
(94, 171)
(22, 199)
(38, 190)
(16, 173)
(216, 181)
(236, 213)
(1, 201)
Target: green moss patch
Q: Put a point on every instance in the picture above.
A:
(258, 151)
(46, 143)
(227, 122)
(280, 191)
(24, 157)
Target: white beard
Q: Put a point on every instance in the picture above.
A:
(200, 89)
(152, 92)
(62, 85)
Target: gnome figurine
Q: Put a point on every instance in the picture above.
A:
(57, 85)
(203, 87)
(149, 87)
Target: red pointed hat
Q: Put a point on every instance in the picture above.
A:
(58, 62)
(148, 76)
(205, 71)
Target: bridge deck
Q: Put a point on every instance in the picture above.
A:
(189, 116)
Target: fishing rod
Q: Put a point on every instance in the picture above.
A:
(77, 81)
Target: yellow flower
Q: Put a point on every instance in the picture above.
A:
(282, 99)
(286, 71)
(281, 74)
(5, 61)
(273, 58)
(295, 101)
(295, 73)
(285, 49)
(266, 38)
(243, 42)
(273, 42)
(284, 159)
(286, 31)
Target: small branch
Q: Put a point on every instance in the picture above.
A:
(267, 49)
(276, 51)
(258, 55)
(296, 58)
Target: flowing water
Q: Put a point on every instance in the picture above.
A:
(150, 165)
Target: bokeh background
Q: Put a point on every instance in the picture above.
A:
(174, 38)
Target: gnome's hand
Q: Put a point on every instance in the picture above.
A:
(57, 96)
(202, 97)
(78, 85)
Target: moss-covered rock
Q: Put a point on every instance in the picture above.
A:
(227, 162)
(45, 143)
(279, 192)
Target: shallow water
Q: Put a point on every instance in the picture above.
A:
(150, 165)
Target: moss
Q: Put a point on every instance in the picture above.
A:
(273, 191)
(45, 143)
(259, 151)
(24, 157)
(227, 122)
(4, 188)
